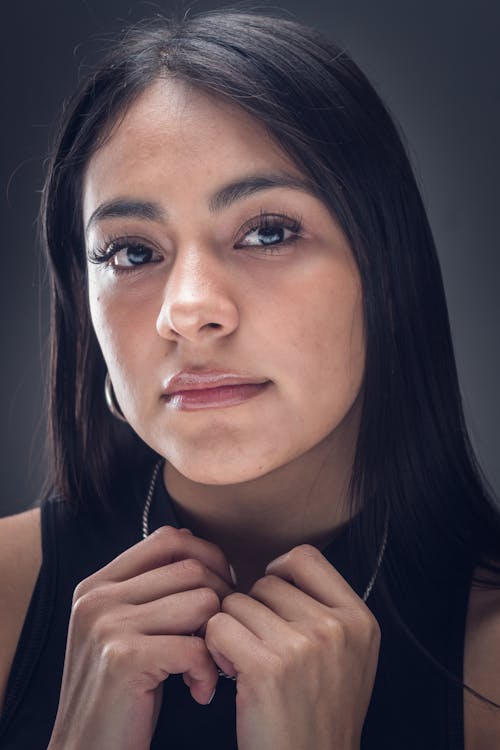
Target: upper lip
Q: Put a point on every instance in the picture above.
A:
(195, 380)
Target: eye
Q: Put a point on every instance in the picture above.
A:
(132, 255)
(270, 231)
(124, 254)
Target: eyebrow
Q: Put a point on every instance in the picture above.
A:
(220, 200)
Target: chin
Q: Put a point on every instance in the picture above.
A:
(221, 476)
(217, 471)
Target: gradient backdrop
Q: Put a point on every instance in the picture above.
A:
(436, 65)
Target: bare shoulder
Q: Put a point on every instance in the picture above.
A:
(20, 560)
(482, 664)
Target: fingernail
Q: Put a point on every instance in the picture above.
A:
(211, 697)
(233, 574)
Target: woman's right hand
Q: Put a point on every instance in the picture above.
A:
(131, 626)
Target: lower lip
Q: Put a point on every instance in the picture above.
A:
(211, 398)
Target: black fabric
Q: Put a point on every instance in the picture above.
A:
(413, 705)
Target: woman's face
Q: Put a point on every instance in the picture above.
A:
(194, 283)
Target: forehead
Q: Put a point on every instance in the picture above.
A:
(176, 133)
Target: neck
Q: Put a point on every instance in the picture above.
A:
(255, 521)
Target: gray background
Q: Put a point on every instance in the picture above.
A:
(436, 65)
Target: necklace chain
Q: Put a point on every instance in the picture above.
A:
(149, 497)
(145, 533)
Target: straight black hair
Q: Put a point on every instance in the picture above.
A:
(414, 463)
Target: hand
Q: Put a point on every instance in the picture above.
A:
(130, 628)
(304, 648)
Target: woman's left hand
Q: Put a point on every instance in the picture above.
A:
(304, 648)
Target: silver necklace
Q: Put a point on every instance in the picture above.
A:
(145, 533)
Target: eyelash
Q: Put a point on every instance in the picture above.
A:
(104, 252)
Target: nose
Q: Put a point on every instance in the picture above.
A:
(197, 304)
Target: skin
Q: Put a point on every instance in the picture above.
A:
(270, 473)
(261, 484)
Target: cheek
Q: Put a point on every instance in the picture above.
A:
(335, 384)
(117, 328)
(102, 314)
(322, 336)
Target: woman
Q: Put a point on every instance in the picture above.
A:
(251, 357)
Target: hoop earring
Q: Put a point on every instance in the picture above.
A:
(110, 397)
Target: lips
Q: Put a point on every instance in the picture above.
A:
(191, 390)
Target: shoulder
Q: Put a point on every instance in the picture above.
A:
(482, 663)
(20, 560)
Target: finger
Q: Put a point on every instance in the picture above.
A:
(187, 655)
(173, 578)
(177, 614)
(234, 648)
(257, 618)
(308, 569)
(165, 545)
(284, 598)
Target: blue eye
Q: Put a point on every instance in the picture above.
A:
(269, 235)
(132, 255)
(124, 254)
(270, 231)
(128, 254)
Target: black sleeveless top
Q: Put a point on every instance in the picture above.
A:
(413, 705)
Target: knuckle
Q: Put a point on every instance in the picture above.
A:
(193, 568)
(208, 599)
(168, 539)
(301, 644)
(83, 588)
(328, 630)
(332, 627)
(367, 631)
(231, 601)
(117, 654)
(373, 630)
(263, 584)
(307, 549)
(301, 552)
(93, 617)
(164, 532)
(86, 607)
(366, 621)
(164, 540)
